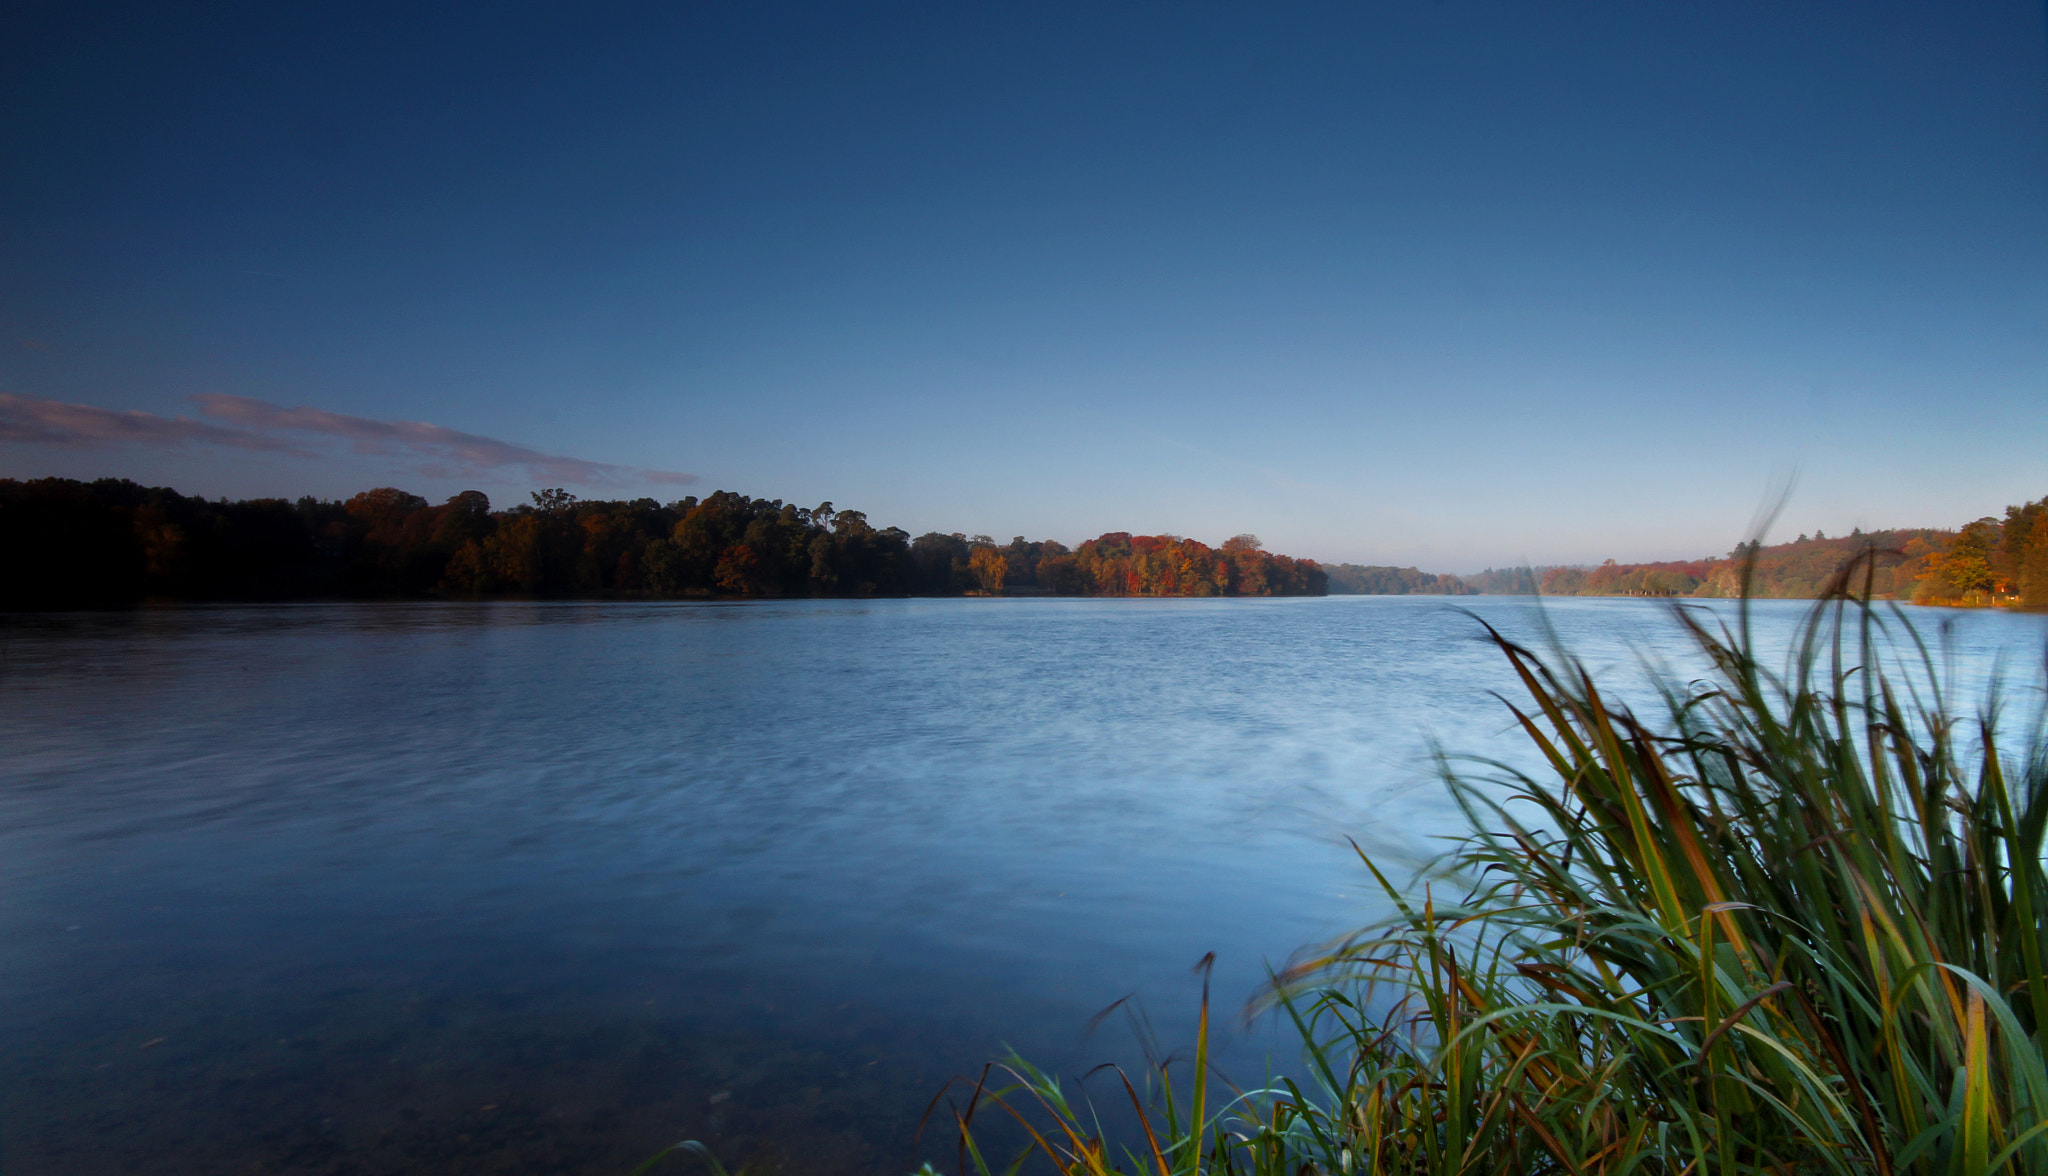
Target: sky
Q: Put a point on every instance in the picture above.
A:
(1448, 284)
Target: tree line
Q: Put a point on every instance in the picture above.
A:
(1378, 580)
(1992, 561)
(86, 544)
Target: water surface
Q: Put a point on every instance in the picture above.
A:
(543, 887)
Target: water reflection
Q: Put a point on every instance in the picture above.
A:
(544, 887)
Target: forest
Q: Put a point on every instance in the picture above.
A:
(1991, 561)
(112, 541)
(89, 544)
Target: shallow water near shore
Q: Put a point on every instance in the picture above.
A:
(526, 887)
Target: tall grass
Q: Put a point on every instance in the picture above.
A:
(1791, 923)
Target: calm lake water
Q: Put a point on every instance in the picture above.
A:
(545, 887)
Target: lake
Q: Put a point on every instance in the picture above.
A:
(544, 887)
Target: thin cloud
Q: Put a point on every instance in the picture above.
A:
(468, 451)
(34, 421)
(244, 423)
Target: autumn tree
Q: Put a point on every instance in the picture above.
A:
(738, 570)
(2033, 569)
(1962, 572)
(990, 568)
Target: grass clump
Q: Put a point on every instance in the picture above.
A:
(1794, 923)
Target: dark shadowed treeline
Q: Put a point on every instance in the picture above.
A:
(68, 544)
(1116, 564)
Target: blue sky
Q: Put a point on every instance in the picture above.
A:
(1450, 284)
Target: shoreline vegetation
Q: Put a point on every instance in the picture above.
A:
(1783, 920)
(111, 542)
(1988, 562)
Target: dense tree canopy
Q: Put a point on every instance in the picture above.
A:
(73, 544)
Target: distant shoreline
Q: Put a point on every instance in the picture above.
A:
(1988, 563)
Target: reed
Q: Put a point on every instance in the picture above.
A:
(1793, 922)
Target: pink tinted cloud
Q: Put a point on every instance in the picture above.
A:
(243, 423)
(35, 421)
(468, 451)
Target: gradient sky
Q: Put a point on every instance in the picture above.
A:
(1447, 284)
